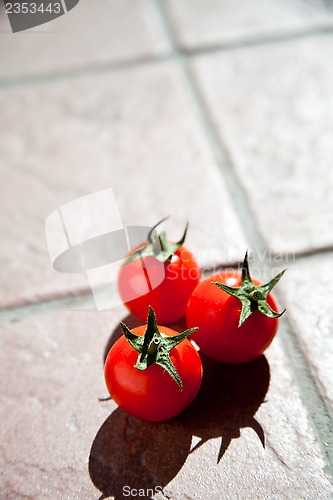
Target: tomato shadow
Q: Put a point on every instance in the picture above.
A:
(227, 402)
(128, 452)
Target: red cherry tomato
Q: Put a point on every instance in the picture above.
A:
(217, 315)
(152, 393)
(164, 285)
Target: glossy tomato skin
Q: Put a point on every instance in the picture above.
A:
(216, 313)
(166, 287)
(152, 394)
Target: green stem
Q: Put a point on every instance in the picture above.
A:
(160, 247)
(253, 298)
(154, 348)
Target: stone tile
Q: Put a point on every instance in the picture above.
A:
(59, 441)
(290, 465)
(273, 107)
(212, 22)
(134, 131)
(308, 295)
(51, 379)
(93, 33)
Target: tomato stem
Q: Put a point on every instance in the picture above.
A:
(153, 348)
(253, 298)
(160, 247)
(150, 234)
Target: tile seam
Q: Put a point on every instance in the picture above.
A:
(257, 41)
(141, 61)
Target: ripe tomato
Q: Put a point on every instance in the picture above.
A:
(161, 274)
(152, 372)
(237, 316)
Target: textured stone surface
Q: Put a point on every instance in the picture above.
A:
(137, 130)
(94, 133)
(289, 466)
(308, 295)
(58, 441)
(212, 22)
(273, 107)
(93, 33)
(51, 379)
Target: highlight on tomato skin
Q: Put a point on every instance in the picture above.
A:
(152, 372)
(237, 316)
(161, 274)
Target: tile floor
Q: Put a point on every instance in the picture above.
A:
(216, 112)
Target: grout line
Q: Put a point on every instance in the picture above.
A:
(83, 299)
(256, 41)
(221, 156)
(314, 252)
(186, 52)
(312, 397)
(121, 64)
(23, 311)
(74, 300)
(223, 161)
(309, 390)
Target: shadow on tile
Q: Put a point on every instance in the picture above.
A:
(129, 454)
(229, 398)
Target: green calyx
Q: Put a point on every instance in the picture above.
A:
(160, 247)
(253, 298)
(153, 347)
